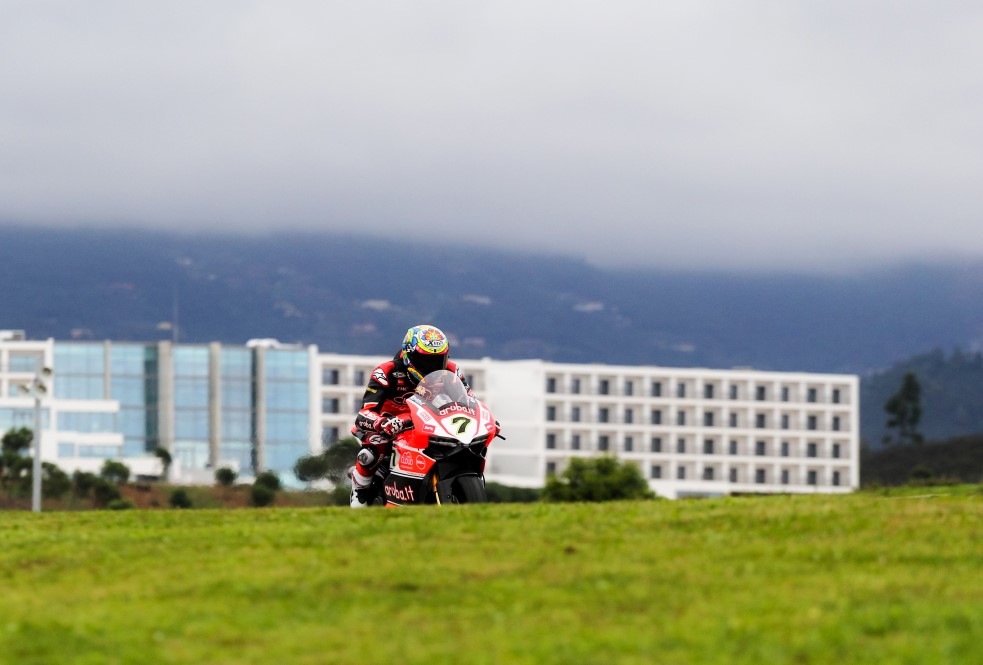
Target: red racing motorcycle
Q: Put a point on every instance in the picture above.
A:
(439, 457)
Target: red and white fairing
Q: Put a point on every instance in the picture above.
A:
(444, 416)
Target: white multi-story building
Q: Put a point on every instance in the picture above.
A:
(692, 432)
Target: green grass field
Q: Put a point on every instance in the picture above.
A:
(893, 577)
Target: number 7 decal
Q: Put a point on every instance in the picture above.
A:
(462, 427)
(464, 420)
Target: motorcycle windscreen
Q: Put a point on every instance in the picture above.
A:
(452, 413)
(443, 387)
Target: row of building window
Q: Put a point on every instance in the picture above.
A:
(604, 415)
(710, 446)
(761, 476)
(23, 362)
(710, 390)
(332, 376)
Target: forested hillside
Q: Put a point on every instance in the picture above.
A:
(951, 395)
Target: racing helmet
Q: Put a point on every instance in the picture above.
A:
(424, 350)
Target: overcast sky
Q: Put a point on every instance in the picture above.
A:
(763, 134)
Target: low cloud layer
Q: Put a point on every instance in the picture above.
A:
(702, 134)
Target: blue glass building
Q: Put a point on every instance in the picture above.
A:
(245, 407)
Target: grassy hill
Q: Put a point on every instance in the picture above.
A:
(888, 577)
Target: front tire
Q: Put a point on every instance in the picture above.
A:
(468, 489)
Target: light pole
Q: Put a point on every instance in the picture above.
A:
(38, 389)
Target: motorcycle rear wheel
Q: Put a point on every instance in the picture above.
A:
(468, 489)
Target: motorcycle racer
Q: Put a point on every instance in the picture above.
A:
(425, 349)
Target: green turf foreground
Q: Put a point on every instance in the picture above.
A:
(865, 578)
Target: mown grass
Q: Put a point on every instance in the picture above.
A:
(882, 577)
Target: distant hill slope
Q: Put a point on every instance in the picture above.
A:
(358, 294)
(952, 395)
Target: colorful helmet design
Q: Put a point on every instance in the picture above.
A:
(424, 350)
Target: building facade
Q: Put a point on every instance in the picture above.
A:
(700, 432)
(262, 406)
(245, 407)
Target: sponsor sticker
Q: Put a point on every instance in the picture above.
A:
(412, 463)
(380, 376)
(456, 407)
(400, 494)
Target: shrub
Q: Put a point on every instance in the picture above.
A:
(180, 499)
(341, 495)
(225, 476)
(104, 491)
(920, 473)
(597, 479)
(269, 480)
(120, 504)
(82, 483)
(498, 493)
(261, 495)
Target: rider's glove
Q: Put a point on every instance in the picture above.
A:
(389, 426)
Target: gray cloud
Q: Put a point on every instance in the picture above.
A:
(702, 134)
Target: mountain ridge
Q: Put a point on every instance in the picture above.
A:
(357, 294)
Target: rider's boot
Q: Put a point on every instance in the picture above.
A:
(360, 488)
(368, 458)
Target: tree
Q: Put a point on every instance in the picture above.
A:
(13, 465)
(340, 456)
(17, 471)
(597, 479)
(331, 464)
(904, 410)
(310, 468)
(16, 440)
(225, 476)
(165, 460)
(55, 483)
(115, 472)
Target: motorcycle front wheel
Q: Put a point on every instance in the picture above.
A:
(468, 489)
